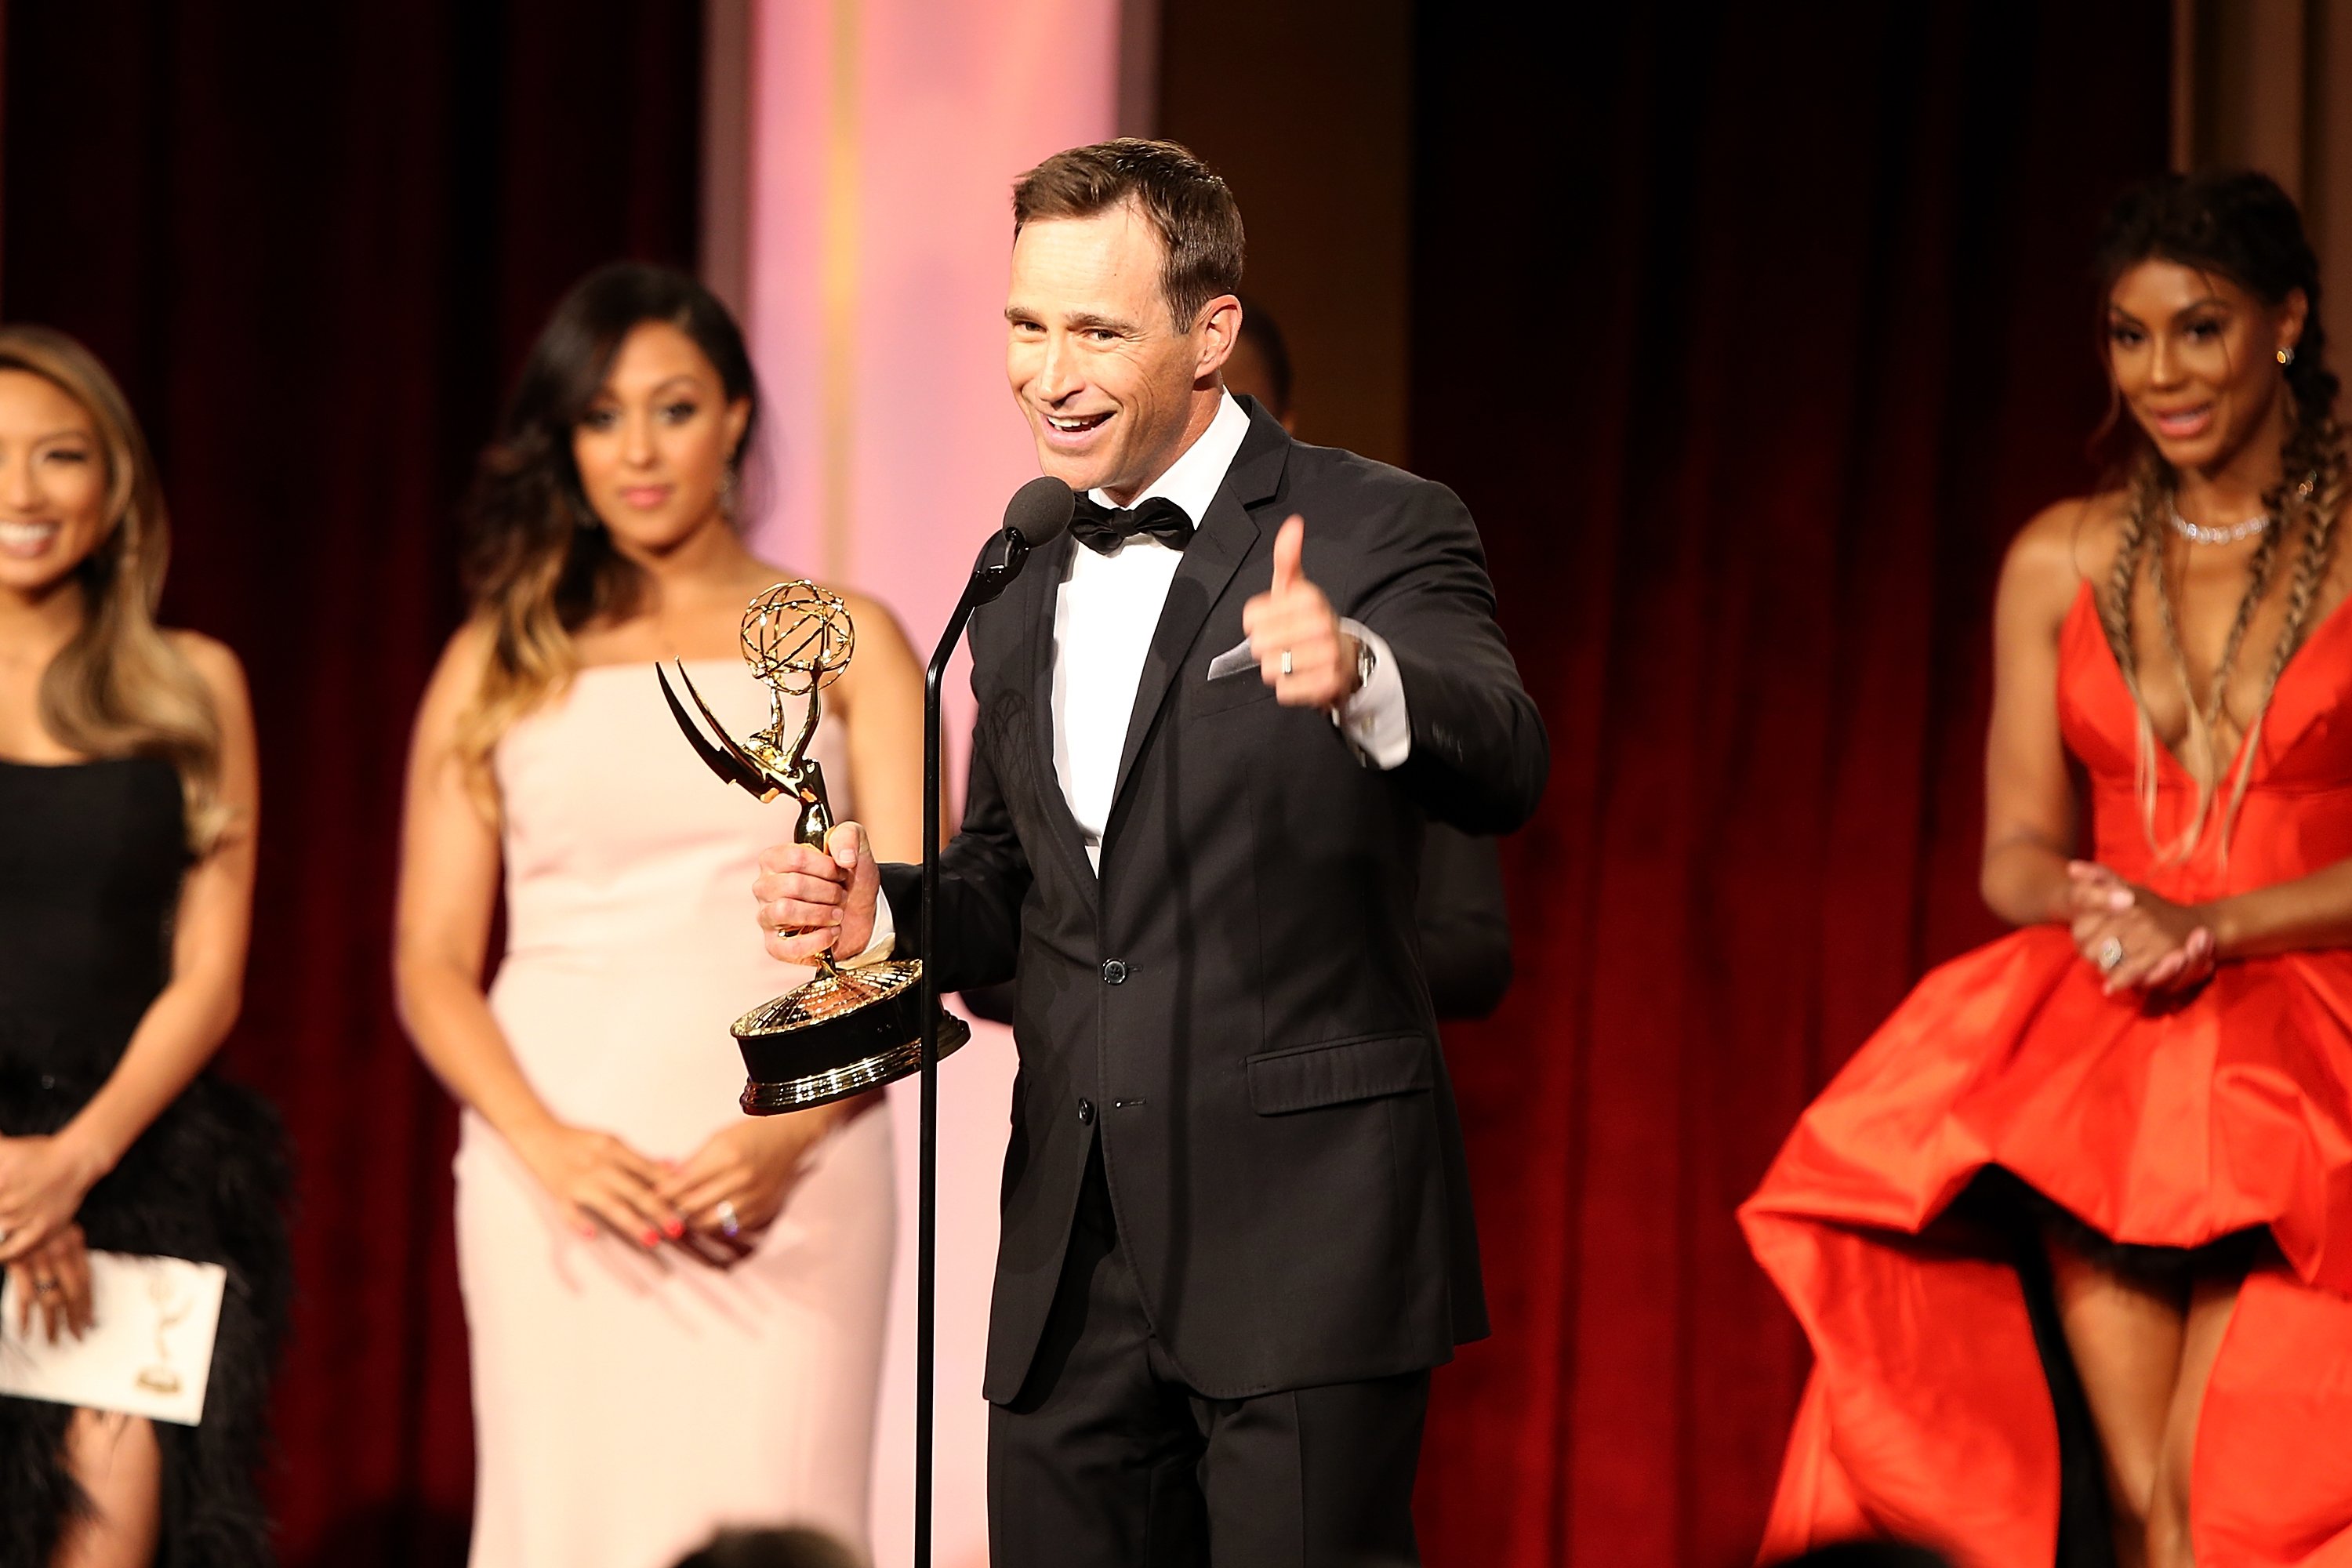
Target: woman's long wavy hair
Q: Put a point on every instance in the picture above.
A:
(2240, 226)
(538, 563)
(119, 689)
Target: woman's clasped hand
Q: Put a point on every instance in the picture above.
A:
(53, 1279)
(726, 1192)
(42, 1184)
(2137, 940)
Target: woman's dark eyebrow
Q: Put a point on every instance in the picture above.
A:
(2116, 313)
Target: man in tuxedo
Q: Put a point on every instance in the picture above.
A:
(1237, 1230)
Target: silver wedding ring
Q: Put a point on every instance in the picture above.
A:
(727, 1225)
(2111, 954)
(45, 1287)
(1286, 661)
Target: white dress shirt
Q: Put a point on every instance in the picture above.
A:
(1105, 612)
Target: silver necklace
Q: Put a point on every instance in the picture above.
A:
(2197, 534)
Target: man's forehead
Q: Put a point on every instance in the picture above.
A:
(1109, 247)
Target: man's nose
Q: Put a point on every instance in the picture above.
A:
(1057, 375)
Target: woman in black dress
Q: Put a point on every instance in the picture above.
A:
(127, 818)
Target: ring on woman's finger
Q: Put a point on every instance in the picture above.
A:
(729, 1226)
(45, 1287)
(2110, 956)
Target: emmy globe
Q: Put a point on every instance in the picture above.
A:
(846, 1030)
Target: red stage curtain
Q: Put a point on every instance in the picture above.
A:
(1749, 334)
(313, 241)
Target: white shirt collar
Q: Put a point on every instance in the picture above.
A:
(1194, 480)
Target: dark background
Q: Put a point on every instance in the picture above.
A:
(313, 241)
(1749, 334)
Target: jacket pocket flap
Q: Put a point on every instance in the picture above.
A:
(1338, 1072)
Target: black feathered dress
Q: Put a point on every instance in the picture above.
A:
(91, 858)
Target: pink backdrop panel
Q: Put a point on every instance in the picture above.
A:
(884, 138)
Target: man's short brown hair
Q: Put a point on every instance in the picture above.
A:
(1199, 224)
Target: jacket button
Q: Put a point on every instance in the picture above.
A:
(1114, 973)
(1085, 1112)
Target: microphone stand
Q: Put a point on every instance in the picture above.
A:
(989, 578)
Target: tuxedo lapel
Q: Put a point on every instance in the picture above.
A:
(1043, 580)
(1219, 546)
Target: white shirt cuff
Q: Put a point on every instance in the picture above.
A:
(1374, 720)
(878, 946)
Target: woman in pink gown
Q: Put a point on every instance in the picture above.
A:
(675, 1310)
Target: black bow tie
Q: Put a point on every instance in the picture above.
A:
(1103, 528)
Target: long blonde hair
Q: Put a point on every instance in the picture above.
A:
(119, 689)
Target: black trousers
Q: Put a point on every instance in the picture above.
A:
(1107, 1460)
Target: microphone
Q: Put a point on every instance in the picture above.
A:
(1036, 516)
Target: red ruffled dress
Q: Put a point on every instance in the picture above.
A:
(1929, 1415)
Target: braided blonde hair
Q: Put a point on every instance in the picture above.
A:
(2307, 509)
(2242, 226)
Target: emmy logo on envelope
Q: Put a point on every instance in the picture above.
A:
(148, 1353)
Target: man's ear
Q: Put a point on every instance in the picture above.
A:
(1218, 329)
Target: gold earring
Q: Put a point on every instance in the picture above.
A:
(2286, 356)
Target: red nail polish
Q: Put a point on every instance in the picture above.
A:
(676, 1228)
(652, 1238)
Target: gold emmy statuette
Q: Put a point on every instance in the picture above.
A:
(847, 1030)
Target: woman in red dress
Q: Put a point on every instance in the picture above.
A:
(2154, 1073)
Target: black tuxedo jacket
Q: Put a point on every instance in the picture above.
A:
(1235, 1006)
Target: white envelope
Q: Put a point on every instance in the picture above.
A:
(148, 1353)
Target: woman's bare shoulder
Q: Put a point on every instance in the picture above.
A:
(215, 663)
(465, 658)
(867, 610)
(2065, 544)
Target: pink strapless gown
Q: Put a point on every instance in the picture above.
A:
(627, 1403)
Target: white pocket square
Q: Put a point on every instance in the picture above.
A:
(1232, 662)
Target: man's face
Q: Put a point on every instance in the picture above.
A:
(1111, 389)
